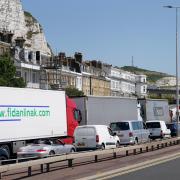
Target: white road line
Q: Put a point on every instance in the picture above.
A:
(131, 168)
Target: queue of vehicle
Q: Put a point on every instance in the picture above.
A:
(51, 115)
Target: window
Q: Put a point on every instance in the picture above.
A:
(153, 125)
(77, 115)
(34, 78)
(116, 84)
(140, 124)
(25, 77)
(144, 89)
(85, 131)
(119, 126)
(110, 132)
(1, 51)
(135, 125)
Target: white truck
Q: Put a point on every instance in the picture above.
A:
(28, 114)
(102, 110)
(154, 109)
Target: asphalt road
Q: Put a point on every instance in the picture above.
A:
(165, 171)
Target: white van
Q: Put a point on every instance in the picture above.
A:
(158, 129)
(94, 137)
(130, 132)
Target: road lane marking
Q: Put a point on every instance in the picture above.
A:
(132, 168)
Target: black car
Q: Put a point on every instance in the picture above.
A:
(173, 127)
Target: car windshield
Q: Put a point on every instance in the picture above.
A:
(119, 126)
(42, 142)
(153, 125)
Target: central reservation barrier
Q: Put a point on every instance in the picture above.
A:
(46, 162)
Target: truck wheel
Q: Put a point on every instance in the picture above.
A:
(72, 150)
(102, 146)
(3, 158)
(118, 144)
(6, 148)
(136, 141)
(162, 137)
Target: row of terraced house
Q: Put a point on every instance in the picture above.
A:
(93, 77)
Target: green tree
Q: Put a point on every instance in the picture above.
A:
(8, 72)
(71, 91)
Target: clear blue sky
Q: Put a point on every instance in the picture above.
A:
(111, 30)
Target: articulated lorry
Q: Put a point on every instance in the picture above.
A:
(104, 110)
(28, 114)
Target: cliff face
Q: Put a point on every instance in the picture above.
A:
(23, 24)
(12, 17)
(35, 38)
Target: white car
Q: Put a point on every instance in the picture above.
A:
(95, 137)
(158, 129)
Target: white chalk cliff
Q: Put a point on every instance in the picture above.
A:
(23, 25)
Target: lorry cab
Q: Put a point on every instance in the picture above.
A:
(158, 129)
(95, 137)
(73, 120)
(130, 132)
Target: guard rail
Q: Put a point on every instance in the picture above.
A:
(70, 157)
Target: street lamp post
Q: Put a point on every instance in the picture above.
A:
(177, 82)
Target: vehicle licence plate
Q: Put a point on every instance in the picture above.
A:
(120, 135)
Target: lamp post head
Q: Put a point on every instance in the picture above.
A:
(168, 6)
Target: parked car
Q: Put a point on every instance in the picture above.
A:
(173, 127)
(43, 148)
(95, 137)
(158, 129)
(130, 132)
(3, 154)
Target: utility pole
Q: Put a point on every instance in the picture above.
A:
(132, 61)
(177, 67)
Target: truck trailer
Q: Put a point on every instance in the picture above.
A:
(29, 114)
(102, 110)
(154, 109)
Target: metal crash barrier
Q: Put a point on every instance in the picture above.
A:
(46, 162)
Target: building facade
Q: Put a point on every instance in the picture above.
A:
(122, 82)
(62, 72)
(141, 86)
(95, 81)
(115, 77)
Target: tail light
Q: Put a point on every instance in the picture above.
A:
(41, 150)
(130, 134)
(97, 138)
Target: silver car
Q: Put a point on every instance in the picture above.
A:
(43, 148)
(131, 132)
